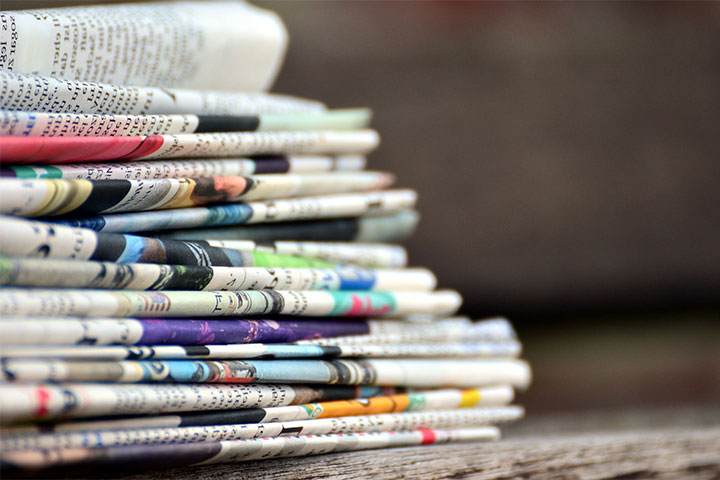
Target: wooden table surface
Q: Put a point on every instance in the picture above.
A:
(659, 444)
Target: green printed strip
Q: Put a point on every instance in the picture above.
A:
(418, 401)
(340, 119)
(7, 270)
(365, 303)
(34, 172)
(272, 260)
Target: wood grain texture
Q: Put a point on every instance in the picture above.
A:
(659, 454)
(631, 444)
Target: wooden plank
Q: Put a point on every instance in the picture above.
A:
(634, 444)
(655, 454)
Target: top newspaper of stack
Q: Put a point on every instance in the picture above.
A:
(157, 80)
(202, 45)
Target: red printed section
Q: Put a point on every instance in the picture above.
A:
(362, 306)
(44, 150)
(43, 398)
(428, 436)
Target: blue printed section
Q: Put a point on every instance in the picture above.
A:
(228, 215)
(238, 258)
(93, 223)
(365, 391)
(294, 351)
(188, 371)
(134, 248)
(293, 371)
(164, 219)
(356, 278)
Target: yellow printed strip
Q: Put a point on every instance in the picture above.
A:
(470, 397)
(67, 196)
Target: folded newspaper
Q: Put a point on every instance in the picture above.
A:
(197, 271)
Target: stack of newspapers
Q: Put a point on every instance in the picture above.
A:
(194, 271)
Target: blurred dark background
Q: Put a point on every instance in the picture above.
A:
(566, 154)
(567, 157)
